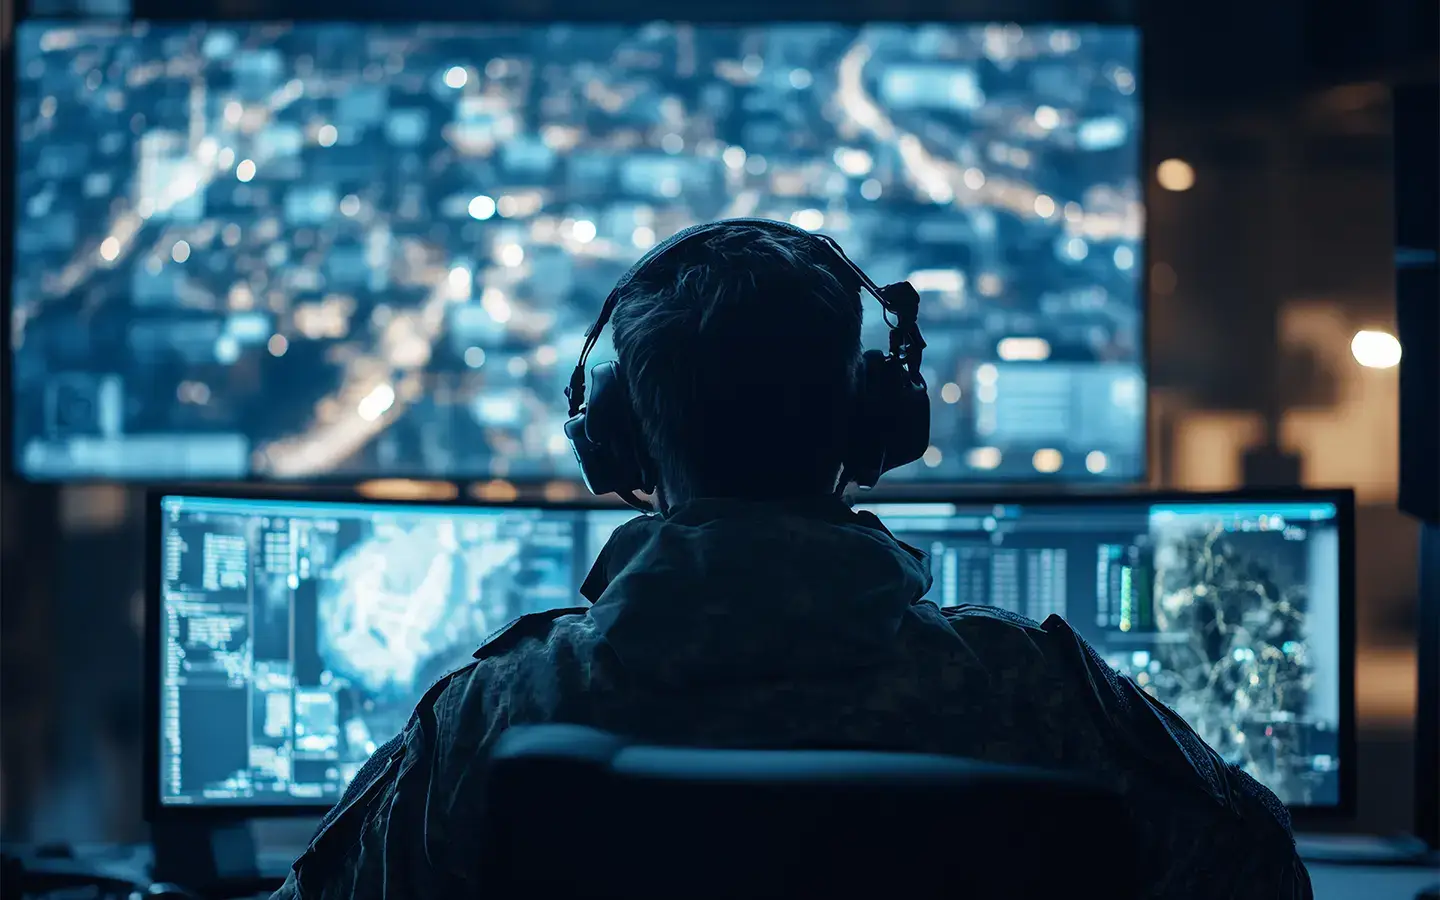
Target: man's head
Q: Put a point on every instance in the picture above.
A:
(741, 354)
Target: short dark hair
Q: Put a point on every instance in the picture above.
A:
(741, 355)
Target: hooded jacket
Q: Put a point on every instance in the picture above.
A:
(736, 624)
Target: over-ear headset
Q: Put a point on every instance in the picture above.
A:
(891, 424)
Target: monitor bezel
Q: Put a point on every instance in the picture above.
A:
(155, 810)
(1066, 12)
(1095, 13)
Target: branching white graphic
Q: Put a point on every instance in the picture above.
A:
(396, 601)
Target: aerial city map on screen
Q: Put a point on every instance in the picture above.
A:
(297, 637)
(293, 251)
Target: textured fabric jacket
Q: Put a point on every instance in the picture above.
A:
(750, 625)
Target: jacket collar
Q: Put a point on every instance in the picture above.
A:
(758, 588)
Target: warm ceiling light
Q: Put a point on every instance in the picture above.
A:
(407, 489)
(495, 491)
(1175, 175)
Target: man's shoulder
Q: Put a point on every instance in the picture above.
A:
(519, 633)
(1000, 631)
(996, 632)
(988, 617)
(1049, 651)
(517, 666)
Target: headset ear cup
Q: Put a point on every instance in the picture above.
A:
(911, 419)
(866, 452)
(605, 436)
(891, 425)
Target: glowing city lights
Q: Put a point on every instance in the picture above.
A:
(445, 200)
(1023, 349)
(481, 208)
(512, 255)
(854, 162)
(376, 403)
(1047, 460)
(984, 458)
(494, 302)
(808, 219)
(583, 231)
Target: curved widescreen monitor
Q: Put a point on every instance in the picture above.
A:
(290, 638)
(311, 251)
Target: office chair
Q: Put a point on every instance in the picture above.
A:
(577, 813)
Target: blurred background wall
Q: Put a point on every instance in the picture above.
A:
(1270, 246)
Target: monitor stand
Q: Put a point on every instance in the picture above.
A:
(1427, 719)
(200, 854)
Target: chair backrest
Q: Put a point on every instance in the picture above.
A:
(577, 813)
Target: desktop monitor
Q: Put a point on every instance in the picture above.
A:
(290, 638)
(319, 251)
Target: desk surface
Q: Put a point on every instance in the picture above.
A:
(1334, 882)
(1363, 882)
(1331, 881)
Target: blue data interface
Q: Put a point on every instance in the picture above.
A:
(298, 636)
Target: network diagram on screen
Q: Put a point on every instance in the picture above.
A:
(297, 637)
(303, 250)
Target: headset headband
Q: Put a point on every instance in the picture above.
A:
(906, 343)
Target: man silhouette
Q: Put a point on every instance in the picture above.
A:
(759, 610)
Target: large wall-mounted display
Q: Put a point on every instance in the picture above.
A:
(301, 251)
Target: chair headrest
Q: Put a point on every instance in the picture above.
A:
(649, 822)
(599, 751)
